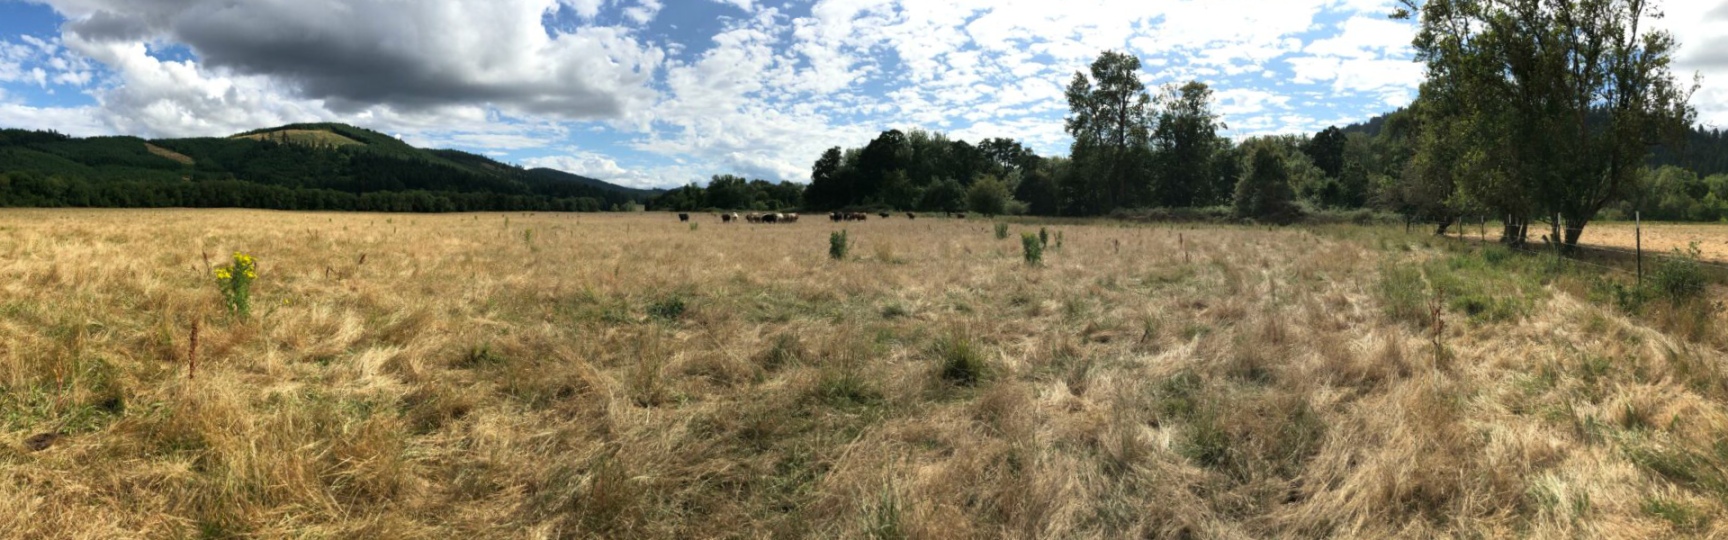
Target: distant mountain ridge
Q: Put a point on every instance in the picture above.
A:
(1705, 152)
(322, 166)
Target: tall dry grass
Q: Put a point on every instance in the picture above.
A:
(413, 376)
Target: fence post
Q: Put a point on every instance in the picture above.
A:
(1638, 234)
(1555, 241)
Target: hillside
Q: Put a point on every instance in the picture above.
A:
(1705, 151)
(293, 167)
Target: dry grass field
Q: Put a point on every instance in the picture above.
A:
(1663, 238)
(569, 376)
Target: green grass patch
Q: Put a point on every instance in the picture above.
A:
(668, 309)
(1402, 293)
(960, 362)
(1699, 471)
(1684, 517)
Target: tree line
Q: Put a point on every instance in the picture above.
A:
(28, 189)
(1533, 111)
(373, 173)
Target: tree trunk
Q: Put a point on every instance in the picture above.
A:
(1574, 229)
(1445, 223)
(1516, 232)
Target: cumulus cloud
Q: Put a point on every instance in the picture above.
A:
(74, 121)
(42, 62)
(351, 54)
(1702, 30)
(761, 97)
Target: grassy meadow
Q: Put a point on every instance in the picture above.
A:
(631, 376)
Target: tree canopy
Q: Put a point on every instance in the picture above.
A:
(1537, 108)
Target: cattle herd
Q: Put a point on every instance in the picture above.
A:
(776, 217)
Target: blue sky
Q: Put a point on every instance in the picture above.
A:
(665, 92)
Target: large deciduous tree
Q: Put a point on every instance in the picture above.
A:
(827, 190)
(1544, 107)
(1327, 151)
(1185, 140)
(1264, 192)
(1110, 120)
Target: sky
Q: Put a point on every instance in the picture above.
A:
(661, 93)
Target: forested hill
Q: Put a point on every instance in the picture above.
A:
(294, 167)
(1705, 152)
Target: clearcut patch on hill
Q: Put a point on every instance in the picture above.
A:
(309, 137)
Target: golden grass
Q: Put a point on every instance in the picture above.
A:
(438, 376)
(1662, 238)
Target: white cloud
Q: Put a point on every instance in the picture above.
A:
(414, 55)
(1366, 37)
(762, 97)
(596, 166)
(644, 12)
(746, 5)
(75, 121)
(1702, 30)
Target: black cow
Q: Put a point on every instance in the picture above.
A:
(683, 217)
(883, 214)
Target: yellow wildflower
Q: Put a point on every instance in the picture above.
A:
(224, 274)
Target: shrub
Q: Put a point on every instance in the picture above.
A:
(837, 245)
(235, 281)
(988, 196)
(1001, 231)
(1043, 236)
(1034, 249)
(1681, 278)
